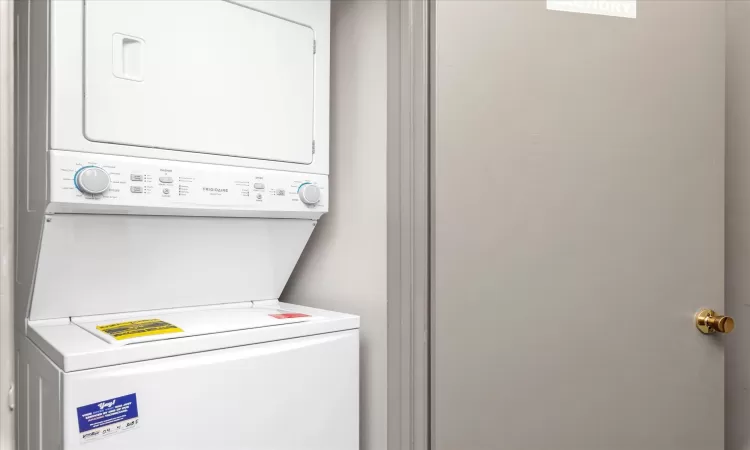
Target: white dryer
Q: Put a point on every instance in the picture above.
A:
(173, 163)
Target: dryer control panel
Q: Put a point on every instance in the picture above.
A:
(85, 178)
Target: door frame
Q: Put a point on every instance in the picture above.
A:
(409, 224)
(7, 242)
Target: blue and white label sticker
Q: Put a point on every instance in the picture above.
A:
(107, 417)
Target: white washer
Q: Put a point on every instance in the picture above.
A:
(175, 158)
(264, 375)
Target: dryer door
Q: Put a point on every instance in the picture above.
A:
(208, 77)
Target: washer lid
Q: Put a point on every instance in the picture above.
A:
(77, 344)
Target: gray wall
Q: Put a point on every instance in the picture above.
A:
(343, 267)
(738, 225)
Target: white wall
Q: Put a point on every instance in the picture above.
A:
(738, 225)
(343, 267)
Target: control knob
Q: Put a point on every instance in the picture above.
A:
(309, 193)
(92, 180)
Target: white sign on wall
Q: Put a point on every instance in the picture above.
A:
(617, 8)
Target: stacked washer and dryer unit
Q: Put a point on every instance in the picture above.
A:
(172, 164)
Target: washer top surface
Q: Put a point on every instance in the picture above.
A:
(149, 326)
(81, 343)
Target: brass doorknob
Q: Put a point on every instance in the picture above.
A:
(709, 322)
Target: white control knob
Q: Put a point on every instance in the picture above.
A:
(309, 194)
(92, 180)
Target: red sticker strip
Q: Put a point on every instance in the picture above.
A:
(289, 315)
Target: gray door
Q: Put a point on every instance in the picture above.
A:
(578, 227)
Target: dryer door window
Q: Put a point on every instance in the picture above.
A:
(199, 76)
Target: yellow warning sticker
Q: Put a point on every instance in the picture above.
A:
(138, 328)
